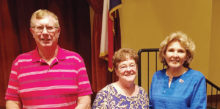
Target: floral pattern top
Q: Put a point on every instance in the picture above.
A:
(109, 98)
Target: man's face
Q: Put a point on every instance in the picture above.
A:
(45, 32)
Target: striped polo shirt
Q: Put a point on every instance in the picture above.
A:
(38, 85)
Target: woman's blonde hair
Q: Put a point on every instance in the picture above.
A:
(184, 40)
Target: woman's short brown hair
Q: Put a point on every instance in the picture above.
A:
(122, 55)
(184, 40)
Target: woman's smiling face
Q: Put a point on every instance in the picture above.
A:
(127, 70)
(175, 55)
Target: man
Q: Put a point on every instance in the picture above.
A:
(49, 76)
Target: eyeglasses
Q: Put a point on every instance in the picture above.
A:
(39, 29)
(124, 67)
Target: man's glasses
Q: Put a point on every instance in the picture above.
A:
(39, 29)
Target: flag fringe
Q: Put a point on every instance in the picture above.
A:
(113, 10)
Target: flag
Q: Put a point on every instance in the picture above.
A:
(108, 31)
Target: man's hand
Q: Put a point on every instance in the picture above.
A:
(84, 102)
(10, 104)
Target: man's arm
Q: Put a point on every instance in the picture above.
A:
(12, 104)
(83, 102)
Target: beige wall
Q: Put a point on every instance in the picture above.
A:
(214, 73)
(145, 23)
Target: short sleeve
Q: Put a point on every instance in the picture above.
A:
(84, 87)
(199, 98)
(12, 90)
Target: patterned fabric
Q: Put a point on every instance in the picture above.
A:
(187, 91)
(38, 85)
(109, 98)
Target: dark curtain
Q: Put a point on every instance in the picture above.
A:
(15, 37)
(99, 66)
(100, 74)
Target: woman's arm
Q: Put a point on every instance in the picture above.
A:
(199, 98)
(12, 104)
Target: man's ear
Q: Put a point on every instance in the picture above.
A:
(31, 30)
(59, 29)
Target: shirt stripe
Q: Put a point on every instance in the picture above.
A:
(23, 60)
(12, 87)
(45, 71)
(49, 97)
(47, 79)
(83, 82)
(50, 105)
(48, 88)
(73, 57)
(32, 73)
(14, 72)
(82, 69)
(63, 70)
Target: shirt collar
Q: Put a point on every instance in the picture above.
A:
(37, 58)
(35, 55)
(60, 54)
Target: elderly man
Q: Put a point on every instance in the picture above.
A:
(48, 77)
